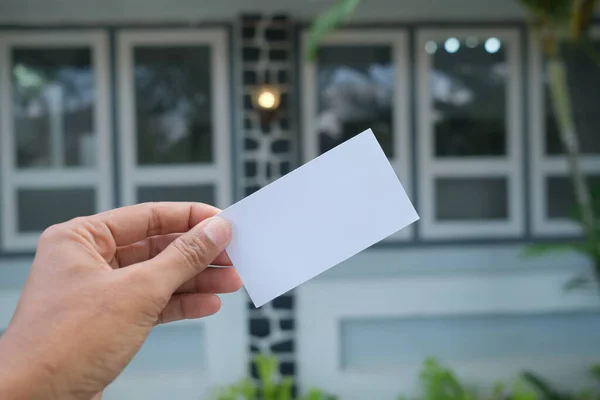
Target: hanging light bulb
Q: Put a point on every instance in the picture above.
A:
(452, 45)
(492, 45)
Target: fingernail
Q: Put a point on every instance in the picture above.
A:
(218, 231)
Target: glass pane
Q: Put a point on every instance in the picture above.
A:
(381, 343)
(172, 364)
(561, 198)
(203, 194)
(186, 350)
(53, 101)
(173, 105)
(468, 82)
(40, 208)
(355, 92)
(584, 81)
(471, 199)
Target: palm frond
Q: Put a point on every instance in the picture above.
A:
(327, 22)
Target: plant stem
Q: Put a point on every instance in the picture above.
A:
(562, 106)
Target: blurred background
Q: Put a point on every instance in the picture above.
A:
(489, 111)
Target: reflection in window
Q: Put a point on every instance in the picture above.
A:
(468, 84)
(53, 104)
(201, 193)
(583, 82)
(40, 208)
(355, 92)
(560, 196)
(471, 199)
(173, 105)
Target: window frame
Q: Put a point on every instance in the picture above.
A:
(217, 173)
(509, 167)
(543, 166)
(99, 176)
(397, 40)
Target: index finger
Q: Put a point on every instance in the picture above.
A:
(134, 223)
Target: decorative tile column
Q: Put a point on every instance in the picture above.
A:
(266, 47)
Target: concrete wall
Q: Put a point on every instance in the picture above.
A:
(119, 11)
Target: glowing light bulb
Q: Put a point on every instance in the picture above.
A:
(492, 45)
(266, 100)
(452, 45)
(430, 47)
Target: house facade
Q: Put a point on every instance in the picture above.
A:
(105, 104)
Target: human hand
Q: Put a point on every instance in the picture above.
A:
(99, 284)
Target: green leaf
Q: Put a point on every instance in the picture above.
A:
(327, 22)
(498, 391)
(595, 371)
(541, 385)
(285, 390)
(581, 17)
(248, 390)
(267, 366)
(522, 391)
(556, 11)
(314, 394)
(440, 383)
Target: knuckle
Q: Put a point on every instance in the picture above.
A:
(155, 225)
(194, 250)
(52, 233)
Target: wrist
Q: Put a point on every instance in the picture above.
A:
(20, 376)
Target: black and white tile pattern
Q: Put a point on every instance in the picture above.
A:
(266, 50)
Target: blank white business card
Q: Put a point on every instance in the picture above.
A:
(315, 217)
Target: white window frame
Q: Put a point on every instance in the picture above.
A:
(509, 167)
(323, 304)
(225, 343)
(397, 39)
(219, 172)
(542, 165)
(99, 177)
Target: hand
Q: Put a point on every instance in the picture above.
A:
(97, 287)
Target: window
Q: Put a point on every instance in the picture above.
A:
(359, 81)
(54, 137)
(552, 194)
(469, 133)
(175, 123)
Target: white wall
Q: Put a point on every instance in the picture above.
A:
(365, 327)
(81, 11)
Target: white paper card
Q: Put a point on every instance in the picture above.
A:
(315, 217)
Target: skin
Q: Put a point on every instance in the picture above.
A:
(97, 287)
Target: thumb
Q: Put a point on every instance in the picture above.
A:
(190, 253)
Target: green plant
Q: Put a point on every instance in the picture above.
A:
(565, 23)
(438, 382)
(268, 387)
(581, 246)
(548, 392)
